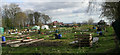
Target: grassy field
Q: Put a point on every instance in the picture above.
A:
(105, 44)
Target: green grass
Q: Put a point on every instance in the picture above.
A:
(105, 44)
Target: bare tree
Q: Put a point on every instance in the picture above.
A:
(9, 12)
(46, 18)
(20, 19)
(36, 17)
(0, 18)
(13, 16)
(90, 21)
(29, 14)
(84, 22)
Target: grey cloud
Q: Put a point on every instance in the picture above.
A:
(82, 10)
(54, 5)
(71, 8)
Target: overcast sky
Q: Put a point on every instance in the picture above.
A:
(62, 11)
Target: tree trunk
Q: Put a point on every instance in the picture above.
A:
(45, 22)
(116, 27)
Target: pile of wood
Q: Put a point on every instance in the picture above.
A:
(83, 40)
(20, 42)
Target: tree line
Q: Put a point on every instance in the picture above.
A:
(13, 16)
